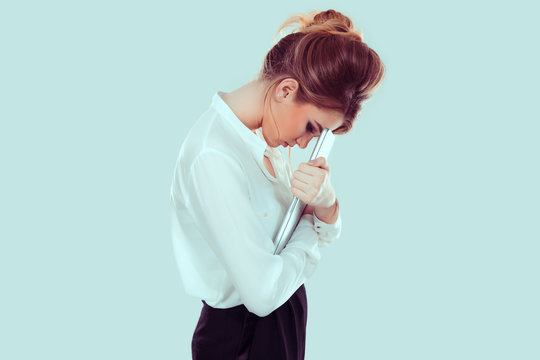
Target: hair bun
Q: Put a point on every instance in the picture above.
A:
(329, 21)
(331, 17)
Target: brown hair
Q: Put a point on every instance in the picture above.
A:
(334, 68)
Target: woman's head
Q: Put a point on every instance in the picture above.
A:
(295, 122)
(324, 65)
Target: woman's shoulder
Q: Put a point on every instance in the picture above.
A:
(208, 158)
(210, 138)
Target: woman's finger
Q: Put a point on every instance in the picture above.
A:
(311, 169)
(302, 176)
(320, 162)
(303, 191)
(299, 194)
(295, 183)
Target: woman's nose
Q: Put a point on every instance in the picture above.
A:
(304, 141)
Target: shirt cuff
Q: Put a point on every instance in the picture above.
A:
(327, 232)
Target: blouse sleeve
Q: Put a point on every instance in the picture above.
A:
(327, 233)
(218, 198)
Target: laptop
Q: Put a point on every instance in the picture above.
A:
(292, 217)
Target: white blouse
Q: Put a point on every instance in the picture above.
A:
(226, 209)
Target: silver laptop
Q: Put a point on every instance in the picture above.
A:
(293, 215)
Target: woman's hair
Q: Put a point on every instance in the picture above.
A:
(334, 68)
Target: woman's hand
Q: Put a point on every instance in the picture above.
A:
(311, 184)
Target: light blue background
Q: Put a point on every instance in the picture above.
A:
(438, 181)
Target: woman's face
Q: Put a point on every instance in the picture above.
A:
(298, 124)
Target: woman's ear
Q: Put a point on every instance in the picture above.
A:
(287, 88)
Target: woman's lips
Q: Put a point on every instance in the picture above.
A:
(286, 144)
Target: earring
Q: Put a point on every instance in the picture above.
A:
(278, 95)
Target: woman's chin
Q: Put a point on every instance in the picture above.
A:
(276, 144)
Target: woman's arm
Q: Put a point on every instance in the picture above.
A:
(327, 215)
(311, 184)
(219, 200)
(327, 232)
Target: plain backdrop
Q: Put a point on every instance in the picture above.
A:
(438, 181)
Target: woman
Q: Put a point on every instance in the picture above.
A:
(231, 188)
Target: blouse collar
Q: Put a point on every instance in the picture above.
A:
(255, 144)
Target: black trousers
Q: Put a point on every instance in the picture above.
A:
(236, 333)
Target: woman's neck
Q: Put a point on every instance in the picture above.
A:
(247, 103)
